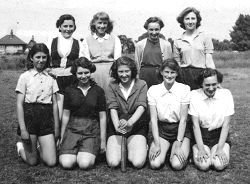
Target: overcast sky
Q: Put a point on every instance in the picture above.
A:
(38, 17)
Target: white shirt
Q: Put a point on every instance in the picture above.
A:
(168, 102)
(126, 92)
(37, 87)
(84, 49)
(211, 111)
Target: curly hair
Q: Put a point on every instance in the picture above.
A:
(123, 61)
(186, 11)
(38, 47)
(153, 19)
(84, 63)
(103, 16)
(64, 17)
(170, 63)
(209, 72)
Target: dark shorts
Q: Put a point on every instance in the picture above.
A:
(38, 119)
(189, 76)
(73, 143)
(141, 127)
(169, 131)
(151, 75)
(64, 81)
(211, 138)
(82, 135)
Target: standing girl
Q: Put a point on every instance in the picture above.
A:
(101, 47)
(64, 50)
(151, 51)
(127, 104)
(168, 105)
(83, 129)
(37, 110)
(193, 50)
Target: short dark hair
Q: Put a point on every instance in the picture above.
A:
(153, 19)
(64, 17)
(186, 11)
(170, 63)
(209, 72)
(84, 63)
(38, 47)
(124, 60)
(104, 17)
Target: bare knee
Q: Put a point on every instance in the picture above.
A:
(138, 163)
(217, 164)
(67, 163)
(32, 161)
(113, 162)
(50, 162)
(203, 166)
(176, 164)
(85, 164)
(155, 164)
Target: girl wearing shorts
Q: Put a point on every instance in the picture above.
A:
(83, 129)
(211, 109)
(168, 105)
(37, 110)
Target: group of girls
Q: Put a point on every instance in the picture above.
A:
(81, 97)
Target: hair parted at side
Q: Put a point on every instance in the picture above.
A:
(170, 63)
(186, 11)
(104, 17)
(153, 19)
(84, 63)
(124, 60)
(64, 17)
(38, 47)
(209, 72)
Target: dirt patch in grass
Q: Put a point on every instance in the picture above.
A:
(13, 170)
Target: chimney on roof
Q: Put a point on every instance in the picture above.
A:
(11, 33)
(32, 38)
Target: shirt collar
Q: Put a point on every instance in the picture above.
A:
(164, 90)
(197, 33)
(205, 97)
(35, 72)
(131, 85)
(106, 36)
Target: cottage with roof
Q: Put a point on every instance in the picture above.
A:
(11, 44)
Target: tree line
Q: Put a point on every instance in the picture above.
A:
(240, 38)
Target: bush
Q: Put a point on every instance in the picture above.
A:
(12, 62)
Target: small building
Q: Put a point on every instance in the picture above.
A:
(31, 43)
(11, 44)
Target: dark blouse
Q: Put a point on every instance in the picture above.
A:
(87, 106)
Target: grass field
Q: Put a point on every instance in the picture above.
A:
(13, 170)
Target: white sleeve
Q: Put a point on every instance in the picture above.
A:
(151, 97)
(229, 110)
(118, 48)
(193, 105)
(186, 95)
(84, 49)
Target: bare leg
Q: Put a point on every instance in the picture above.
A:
(113, 153)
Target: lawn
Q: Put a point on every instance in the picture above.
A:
(13, 170)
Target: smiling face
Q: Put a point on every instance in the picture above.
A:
(101, 27)
(124, 74)
(210, 85)
(190, 21)
(83, 75)
(169, 76)
(67, 28)
(39, 61)
(153, 31)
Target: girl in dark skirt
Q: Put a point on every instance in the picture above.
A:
(168, 105)
(37, 110)
(83, 132)
(211, 109)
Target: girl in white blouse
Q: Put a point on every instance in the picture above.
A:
(211, 108)
(168, 103)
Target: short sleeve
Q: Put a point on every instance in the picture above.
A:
(21, 84)
(230, 104)
(101, 101)
(151, 96)
(185, 99)
(118, 48)
(208, 45)
(142, 98)
(84, 49)
(111, 98)
(193, 109)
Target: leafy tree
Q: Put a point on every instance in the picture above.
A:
(221, 46)
(128, 45)
(241, 33)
